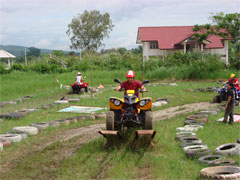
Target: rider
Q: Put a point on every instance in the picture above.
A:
(79, 78)
(131, 84)
(235, 82)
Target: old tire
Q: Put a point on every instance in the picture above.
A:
(192, 139)
(209, 159)
(184, 129)
(53, 123)
(40, 126)
(184, 134)
(190, 144)
(194, 126)
(24, 135)
(148, 120)
(193, 122)
(25, 129)
(220, 172)
(11, 137)
(224, 162)
(228, 149)
(198, 154)
(195, 148)
(200, 118)
(238, 141)
(110, 121)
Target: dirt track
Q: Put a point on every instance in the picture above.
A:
(69, 142)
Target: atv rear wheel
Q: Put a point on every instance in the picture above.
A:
(217, 99)
(86, 89)
(110, 121)
(148, 120)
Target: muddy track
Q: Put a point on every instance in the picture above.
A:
(68, 142)
(175, 111)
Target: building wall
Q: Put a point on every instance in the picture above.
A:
(147, 52)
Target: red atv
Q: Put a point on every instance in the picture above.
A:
(76, 87)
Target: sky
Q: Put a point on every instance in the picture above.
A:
(43, 23)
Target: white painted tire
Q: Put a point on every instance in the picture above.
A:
(24, 135)
(195, 148)
(25, 129)
(185, 129)
(184, 134)
(53, 123)
(40, 126)
(194, 126)
(11, 137)
(1, 146)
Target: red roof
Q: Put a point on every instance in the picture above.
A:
(169, 36)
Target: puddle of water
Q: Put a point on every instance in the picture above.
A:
(81, 109)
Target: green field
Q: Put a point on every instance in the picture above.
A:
(165, 160)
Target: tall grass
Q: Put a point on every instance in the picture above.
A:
(187, 72)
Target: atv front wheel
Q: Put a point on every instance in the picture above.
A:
(148, 120)
(86, 89)
(110, 121)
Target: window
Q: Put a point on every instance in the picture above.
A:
(153, 45)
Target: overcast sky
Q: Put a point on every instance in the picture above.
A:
(43, 23)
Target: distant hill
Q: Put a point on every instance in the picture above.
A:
(19, 50)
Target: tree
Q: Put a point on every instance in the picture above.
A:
(58, 53)
(137, 50)
(32, 51)
(223, 25)
(87, 30)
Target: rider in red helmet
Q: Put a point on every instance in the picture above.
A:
(131, 84)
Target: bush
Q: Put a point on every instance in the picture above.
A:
(17, 67)
(177, 65)
(3, 70)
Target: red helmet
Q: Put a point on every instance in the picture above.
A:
(130, 74)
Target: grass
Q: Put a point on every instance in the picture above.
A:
(26, 154)
(165, 161)
(45, 93)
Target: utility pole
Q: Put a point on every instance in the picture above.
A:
(25, 56)
(80, 55)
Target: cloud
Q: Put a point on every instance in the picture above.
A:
(43, 23)
(44, 43)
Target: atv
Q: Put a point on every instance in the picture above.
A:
(129, 111)
(222, 95)
(76, 87)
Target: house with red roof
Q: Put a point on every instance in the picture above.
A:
(160, 41)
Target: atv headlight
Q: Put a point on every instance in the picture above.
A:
(117, 102)
(142, 103)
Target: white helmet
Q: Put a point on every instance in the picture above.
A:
(79, 73)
